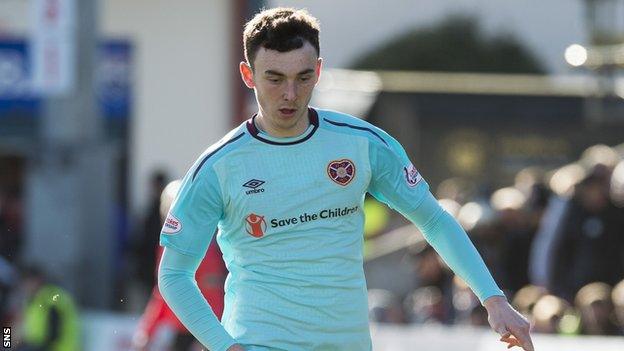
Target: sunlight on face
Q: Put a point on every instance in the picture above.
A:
(283, 84)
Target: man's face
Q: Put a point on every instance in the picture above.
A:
(30, 286)
(283, 84)
(594, 196)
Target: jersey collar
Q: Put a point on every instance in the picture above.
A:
(265, 138)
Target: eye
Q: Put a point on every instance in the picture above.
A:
(304, 78)
(274, 79)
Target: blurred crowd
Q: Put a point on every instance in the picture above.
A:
(554, 242)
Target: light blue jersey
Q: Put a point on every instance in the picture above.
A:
(290, 219)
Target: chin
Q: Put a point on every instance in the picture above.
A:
(287, 123)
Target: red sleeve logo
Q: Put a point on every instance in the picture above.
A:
(411, 175)
(172, 225)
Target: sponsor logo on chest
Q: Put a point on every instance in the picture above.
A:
(254, 186)
(256, 225)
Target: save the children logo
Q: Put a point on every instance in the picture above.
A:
(172, 225)
(255, 225)
(341, 172)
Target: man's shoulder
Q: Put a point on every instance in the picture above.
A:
(230, 137)
(341, 117)
(348, 124)
(229, 142)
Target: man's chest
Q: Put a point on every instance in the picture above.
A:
(292, 182)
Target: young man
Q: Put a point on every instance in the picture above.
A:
(286, 190)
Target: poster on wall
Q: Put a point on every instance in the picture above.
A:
(52, 46)
(20, 99)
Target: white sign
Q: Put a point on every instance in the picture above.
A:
(52, 46)
(441, 338)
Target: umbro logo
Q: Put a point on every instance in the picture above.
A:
(253, 185)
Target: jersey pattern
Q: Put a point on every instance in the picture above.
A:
(290, 219)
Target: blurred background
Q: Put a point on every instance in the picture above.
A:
(513, 112)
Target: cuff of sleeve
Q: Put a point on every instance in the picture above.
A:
(486, 294)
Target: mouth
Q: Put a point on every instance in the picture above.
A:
(287, 112)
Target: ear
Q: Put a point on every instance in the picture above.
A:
(246, 74)
(319, 66)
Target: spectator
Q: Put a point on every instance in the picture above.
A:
(50, 319)
(550, 226)
(596, 308)
(8, 279)
(599, 154)
(530, 181)
(11, 225)
(147, 237)
(617, 296)
(617, 185)
(526, 298)
(479, 219)
(547, 314)
(591, 246)
(467, 308)
(384, 307)
(426, 305)
(516, 235)
(456, 189)
(435, 282)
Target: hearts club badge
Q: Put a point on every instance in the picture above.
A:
(341, 172)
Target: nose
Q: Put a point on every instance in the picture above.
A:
(290, 93)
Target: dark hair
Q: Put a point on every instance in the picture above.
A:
(282, 29)
(31, 271)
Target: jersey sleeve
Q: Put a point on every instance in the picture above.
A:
(194, 214)
(394, 179)
(176, 281)
(396, 182)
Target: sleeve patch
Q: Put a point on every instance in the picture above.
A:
(172, 225)
(411, 175)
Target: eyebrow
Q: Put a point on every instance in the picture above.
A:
(276, 73)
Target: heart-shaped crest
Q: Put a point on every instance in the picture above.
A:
(341, 172)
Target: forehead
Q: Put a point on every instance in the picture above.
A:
(290, 62)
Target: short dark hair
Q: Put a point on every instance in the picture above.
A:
(282, 29)
(31, 271)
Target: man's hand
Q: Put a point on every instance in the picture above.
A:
(236, 347)
(511, 325)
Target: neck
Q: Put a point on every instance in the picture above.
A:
(283, 132)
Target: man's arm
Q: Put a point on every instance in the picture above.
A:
(451, 242)
(186, 235)
(396, 181)
(176, 281)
